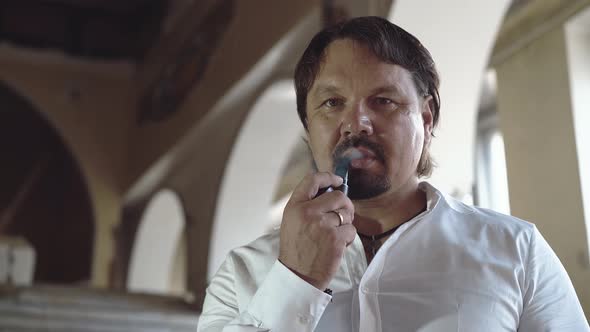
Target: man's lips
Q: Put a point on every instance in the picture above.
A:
(365, 159)
(357, 152)
(362, 162)
(366, 152)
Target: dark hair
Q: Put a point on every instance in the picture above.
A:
(389, 43)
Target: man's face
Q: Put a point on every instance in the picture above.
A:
(359, 101)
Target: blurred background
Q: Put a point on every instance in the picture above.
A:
(144, 139)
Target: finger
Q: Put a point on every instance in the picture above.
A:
(331, 218)
(347, 233)
(335, 201)
(312, 183)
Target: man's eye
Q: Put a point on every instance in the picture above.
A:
(383, 101)
(332, 102)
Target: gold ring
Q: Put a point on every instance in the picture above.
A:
(339, 217)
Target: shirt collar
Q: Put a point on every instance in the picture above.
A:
(435, 197)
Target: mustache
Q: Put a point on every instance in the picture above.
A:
(358, 141)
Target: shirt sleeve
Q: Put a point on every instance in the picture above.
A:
(550, 303)
(283, 302)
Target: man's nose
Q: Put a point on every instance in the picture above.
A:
(356, 121)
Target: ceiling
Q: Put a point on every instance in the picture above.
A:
(101, 29)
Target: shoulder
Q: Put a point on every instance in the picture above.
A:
(266, 246)
(244, 269)
(255, 259)
(489, 235)
(500, 221)
(470, 222)
(482, 217)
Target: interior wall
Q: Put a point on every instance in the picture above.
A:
(178, 277)
(88, 104)
(156, 242)
(536, 119)
(461, 55)
(195, 166)
(262, 147)
(578, 55)
(247, 36)
(43, 197)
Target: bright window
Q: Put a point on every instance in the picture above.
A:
(491, 189)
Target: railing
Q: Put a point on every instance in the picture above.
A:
(51, 308)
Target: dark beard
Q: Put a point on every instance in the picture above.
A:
(362, 184)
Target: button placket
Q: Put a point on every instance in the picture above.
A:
(304, 319)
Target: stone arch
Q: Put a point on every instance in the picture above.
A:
(460, 36)
(158, 242)
(261, 149)
(45, 197)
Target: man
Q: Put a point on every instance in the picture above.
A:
(396, 254)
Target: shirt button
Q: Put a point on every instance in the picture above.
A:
(304, 319)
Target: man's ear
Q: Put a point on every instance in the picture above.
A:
(427, 118)
(305, 139)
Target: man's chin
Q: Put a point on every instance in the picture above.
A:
(362, 185)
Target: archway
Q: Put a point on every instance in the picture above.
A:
(460, 35)
(44, 197)
(158, 258)
(262, 148)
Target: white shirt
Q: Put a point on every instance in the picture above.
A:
(451, 268)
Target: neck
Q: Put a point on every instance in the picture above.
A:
(379, 214)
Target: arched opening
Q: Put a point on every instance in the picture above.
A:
(253, 171)
(43, 197)
(578, 46)
(158, 258)
(461, 56)
(491, 180)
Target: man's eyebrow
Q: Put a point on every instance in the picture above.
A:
(322, 89)
(330, 89)
(387, 89)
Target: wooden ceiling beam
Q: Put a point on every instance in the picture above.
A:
(83, 31)
(108, 5)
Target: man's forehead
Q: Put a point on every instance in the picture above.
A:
(385, 78)
(350, 58)
(348, 49)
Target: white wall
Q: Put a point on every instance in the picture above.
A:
(460, 35)
(156, 244)
(578, 56)
(536, 117)
(262, 148)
